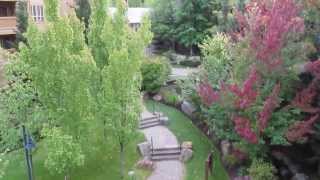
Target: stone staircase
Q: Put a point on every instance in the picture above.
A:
(161, 154)
(156, 119)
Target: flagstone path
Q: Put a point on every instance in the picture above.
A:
(162, 137)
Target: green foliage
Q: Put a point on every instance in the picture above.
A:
(261, 170)
(3, 165)
(154, 74)
(217, 58)
(18, 105)
(187, 22)
(83, 12)
(136, 3)
(22, 19)
(163, 20)
(64, 153)
(194, 19)
(220, 122)
(279, 124)
(96, 42)
(51, 10)
(170, 97)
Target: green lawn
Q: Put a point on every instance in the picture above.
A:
(99, 166)
(183, 128)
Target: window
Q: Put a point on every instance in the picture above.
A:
(37, 13)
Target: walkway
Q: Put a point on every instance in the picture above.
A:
(162, 138)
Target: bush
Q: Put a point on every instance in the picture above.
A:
(170, 97)
(154, 74)
(261, 170)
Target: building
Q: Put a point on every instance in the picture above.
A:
(8, 23)
(134, 15)
(36, 10)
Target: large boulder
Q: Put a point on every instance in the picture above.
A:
(186, 145)
(186, 155)
(187, 108)
(164, 120)
(146, 164)
(144, 149)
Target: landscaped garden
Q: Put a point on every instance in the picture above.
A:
(237, 79)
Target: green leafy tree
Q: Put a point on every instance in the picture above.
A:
(216, 58)
(122, 78)
(194, 20)
(95, 35)
(135, 3)
(154, 74)
(163, 20)
(60, 66)
(64, 153)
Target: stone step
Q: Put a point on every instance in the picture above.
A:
(166, 152)
(169, 148)
(148, 125)
(165, 157)
(154, 116)
(149, 121)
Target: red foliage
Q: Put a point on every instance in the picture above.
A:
(305, 98)
(247, 94)
(243, 128)
(314, 68)
(207, 94)
(268, 23)
(301, 129)
(269, 106)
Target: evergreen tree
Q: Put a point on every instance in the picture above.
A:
(83, 12)
(22, 20)
(194, 19)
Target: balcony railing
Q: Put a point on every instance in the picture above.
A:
(8, 25)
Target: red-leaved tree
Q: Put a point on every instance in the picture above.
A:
(269, 106)
(301, 129)
(247, 94)
(268, 24)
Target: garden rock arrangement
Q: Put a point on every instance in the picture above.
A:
(179, 59)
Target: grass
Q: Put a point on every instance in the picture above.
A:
(99, 165)
(183, 128)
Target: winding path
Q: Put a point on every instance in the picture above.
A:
(162, 137)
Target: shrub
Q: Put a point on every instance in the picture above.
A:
(170, 97)
(261, 170)
(154, 74)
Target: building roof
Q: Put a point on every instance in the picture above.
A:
(135, 15)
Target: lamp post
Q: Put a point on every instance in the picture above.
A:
(131, 175)
(28, 145)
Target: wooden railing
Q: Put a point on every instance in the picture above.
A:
(8, 25)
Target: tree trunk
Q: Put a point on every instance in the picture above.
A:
(121, 161)
(66, 177)
(191, 50)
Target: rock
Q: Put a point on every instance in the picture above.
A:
(144, 149)
(164, 121)
(146, 164)
(157, 97)
(186, 155)
(300, 176)
(186, 145)
(187, 108)
(225, 147)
